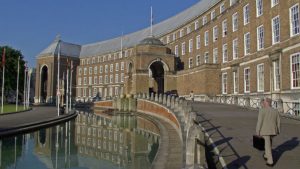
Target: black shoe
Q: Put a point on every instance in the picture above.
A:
(270, 165)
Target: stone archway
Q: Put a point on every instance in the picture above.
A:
(156, 75)
(44, 84)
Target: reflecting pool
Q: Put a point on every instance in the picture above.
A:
(103, 139)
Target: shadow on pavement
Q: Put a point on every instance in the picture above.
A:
(238, 163)
(286, 146)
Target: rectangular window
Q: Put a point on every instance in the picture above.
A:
(122, 65)
(190, 45)
(85, 71)
(294, 20)
(168, 39)
(197, 60)
(95, 80)
(247, 80)
(295, 70)
(90, 70)
(117, 78)
(235, 49)
(116, 94)
(183, 48)
(84, 92)
(213, 15)
(215, 55)
(224, 83)
(79, 81)
(100, 80)
(188, 29)
(276, 74)
(259, 8)
(206, 38)
(84, 81)
(247, 43)
(198, 42)
(275, 30)
(232, 2)
(225, 53)
(90, 81)
(206, 57)
(122, 77)
(260, 37)
(222, 7)
(215, 33)
(117, 66)
(106, 79)
(196, 25)
(106, 68)
(246, 11)
(101, 69)
(235, 82)
(176, 50)
(181, 33)
(111, 79)
(111, 67)
(190, 63)
(224, 27)
(79, 71)
(174, 36)
(95, 70)
(234, 22)
(204, 20)
(274, 3)
(260, 78)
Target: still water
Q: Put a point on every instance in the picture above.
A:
(97, 140)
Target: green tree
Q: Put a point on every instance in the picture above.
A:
(11, 70)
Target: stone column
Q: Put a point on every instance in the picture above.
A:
(160, 98)
(152, 96)
(172, 102)
(168, 101)
(164, 99)
(156, 97)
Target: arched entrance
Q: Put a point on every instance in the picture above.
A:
(44, 83)
(156, 73)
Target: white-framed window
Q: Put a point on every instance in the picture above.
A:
(101, 69)
(85, 71)
(104, 58)
(106, 68)
(95, 70)
(275, 30)
(174, 36)
(93, 60)
(274, 3)
(111, 67)
(206, 57)
(224, 83)
(235, 82)
(95, 92)
(176, 51)
(196, 25)
(79, 71)
(215, 33)
(181, 33)
(260, 37)
(259, 8)
(78, 94)
(111, 79)
(188, 29)
(82, 61)
(198, 42)
(90, 70)
(215, 55)
(79, 81)
(213, 15)
(260, 77)
(117, 78)
(190, 45)
(122, 77)
(198, 60)
(95, 80)
(206, 38)
(183, 48)
(190, 63)
(246, 12)
(116, 94)
(117, 67)
(276, 74)
(222, 7)
(295, 71)
(232, 2)
(235, 49)
(100, 80)
(247, 80)
(225, 53)
(235, 22)
(122, 65)
(90, 80)
(247, 43)
(106, 79)
(294, 20)
(109, 57)
(204, 20)
(84, 92)
(224, 28)
(84, 80)
(168, 39)
(88, 61)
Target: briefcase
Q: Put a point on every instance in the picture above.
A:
(258, 142)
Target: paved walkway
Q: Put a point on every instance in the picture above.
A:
(37, 117)
(232, 129)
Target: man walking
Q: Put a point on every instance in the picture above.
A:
(268, 126)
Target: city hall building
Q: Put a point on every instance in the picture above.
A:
(216, 47)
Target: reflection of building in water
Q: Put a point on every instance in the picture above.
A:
(11, 150)
(55, 146)
(123, 139)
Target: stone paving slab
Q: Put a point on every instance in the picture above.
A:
(232, 129)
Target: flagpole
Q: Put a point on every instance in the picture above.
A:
(17, 98)
(151, 22)
(67, 92)
(3, 78)
(28, 86)
(58, 73)
(71, 85)
(24, 92)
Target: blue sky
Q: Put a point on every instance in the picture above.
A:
(31, 25)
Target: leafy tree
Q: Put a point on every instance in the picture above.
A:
(11, 70)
